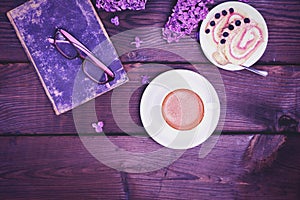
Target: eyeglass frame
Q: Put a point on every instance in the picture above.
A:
(79, 47)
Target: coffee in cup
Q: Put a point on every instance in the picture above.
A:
(183, 109)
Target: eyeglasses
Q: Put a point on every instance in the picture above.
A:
(71, 48)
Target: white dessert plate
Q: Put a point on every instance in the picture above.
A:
(246, 10)
(151, 109)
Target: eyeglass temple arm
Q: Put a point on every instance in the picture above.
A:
(89, 54)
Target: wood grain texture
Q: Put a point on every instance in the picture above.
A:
(283, 20)
(255, 104)
(230, 179)
(54, 168)
(258, 156)
(61, 167)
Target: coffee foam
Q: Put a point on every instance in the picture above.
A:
(183, 109)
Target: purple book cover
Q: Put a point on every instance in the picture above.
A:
(64, 80)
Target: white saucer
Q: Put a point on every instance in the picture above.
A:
(209, 48)
(151, 109)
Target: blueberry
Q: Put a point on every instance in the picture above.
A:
(212, 23)
(230, 27)
(231, 10)
(247, 20)
(224, 12)
(223, 41)
(217, 15)
(237, 22)
(225, 34)
(207, 31)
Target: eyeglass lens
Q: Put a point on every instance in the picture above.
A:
(94, 72)
(65, 47)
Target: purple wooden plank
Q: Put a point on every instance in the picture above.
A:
(61, 168)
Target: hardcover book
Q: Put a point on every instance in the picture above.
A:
(47, 30)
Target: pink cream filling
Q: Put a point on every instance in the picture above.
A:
(239, 50)
(222, 24)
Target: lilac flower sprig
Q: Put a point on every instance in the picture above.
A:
(115, 21)
(185, 17)
(98, 126)
(119, 5)
(145, 79)
(137, 42)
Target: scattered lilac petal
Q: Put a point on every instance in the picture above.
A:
(145, 79)
(98, 126)
(115, 20)
(185, 17)
(137, 42)
(118, 5)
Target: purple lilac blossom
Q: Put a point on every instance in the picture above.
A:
(118, 5)
(145, 79)
(137, 42)
(98, 126)
(246, 1)
(185, 17)
(115, 20)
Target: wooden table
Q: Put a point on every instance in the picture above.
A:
(255, 157)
